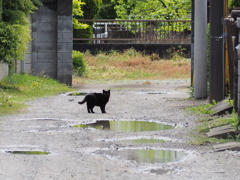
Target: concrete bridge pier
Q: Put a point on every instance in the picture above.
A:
(52, 32)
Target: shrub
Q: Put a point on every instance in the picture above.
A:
(84, 33)
(79, 63)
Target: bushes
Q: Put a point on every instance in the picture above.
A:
(15, 28)
(79, 64)
(90, 9)
(13, 41)
(84, 33)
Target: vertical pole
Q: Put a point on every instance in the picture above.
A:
(0, 10)
(22, 66)
(226, 55)
(216, 51)
(200, 49)
(237, 71)
(192, 42)
(64, 41)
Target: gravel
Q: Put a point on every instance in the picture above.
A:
(46, 125)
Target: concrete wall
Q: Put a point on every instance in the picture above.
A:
(147, 48)
(3, 70)
(52, 32)
(26, 65)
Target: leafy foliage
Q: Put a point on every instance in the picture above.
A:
(79, 63)
(14, 28)
(15, 11)
(107, 10)
(234, 3)
(90, 9)
(13, 41)
(152, 9)
(77, 12)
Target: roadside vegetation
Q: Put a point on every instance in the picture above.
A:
(19, 88)
(206, 122)
(131, 64)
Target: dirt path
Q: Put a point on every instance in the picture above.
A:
(78, 153)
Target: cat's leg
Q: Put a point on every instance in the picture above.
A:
(103, 109)
(88, 110)
(92, 110)
(89, 107)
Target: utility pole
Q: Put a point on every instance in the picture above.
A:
(192, 42)
(200, 49)
(216, 50)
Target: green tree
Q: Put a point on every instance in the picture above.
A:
(0, 10)
(78, 12)
(15, 28)
(234, 3)
(16, 11)
(107, 10)
(153, 9)
(90, 10)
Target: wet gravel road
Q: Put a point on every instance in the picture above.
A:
(77, 153)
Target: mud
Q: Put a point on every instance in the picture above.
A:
(74, 153)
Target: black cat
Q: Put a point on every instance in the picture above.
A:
(96, 99)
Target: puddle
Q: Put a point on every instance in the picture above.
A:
(126, 126)
(160, 171)
(156, 93)
(77, 94)
(29, 152)
(145, 156)
(144, 141)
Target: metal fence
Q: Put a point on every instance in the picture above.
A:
(136, 31)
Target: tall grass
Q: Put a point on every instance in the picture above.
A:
(134, 65)
(18, 88)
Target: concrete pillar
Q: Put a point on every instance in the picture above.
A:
(3, 70)
(200, 49)
(192, 42)
(64, 41)
(52, 40)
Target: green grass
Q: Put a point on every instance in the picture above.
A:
(201, 109)
(207, 122)
(19, 88)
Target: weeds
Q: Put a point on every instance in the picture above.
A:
(5, 99)
(201, 109)
(176, 53)
(206, 123)
(79, 64)
(18, 88)
(134, 65)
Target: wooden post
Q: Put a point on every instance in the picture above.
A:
(235, 40)
(216, 51)
(237, 71)
(231, 34)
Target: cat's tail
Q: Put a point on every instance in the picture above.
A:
(83, 101)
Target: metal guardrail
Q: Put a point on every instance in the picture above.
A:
(136, 31)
